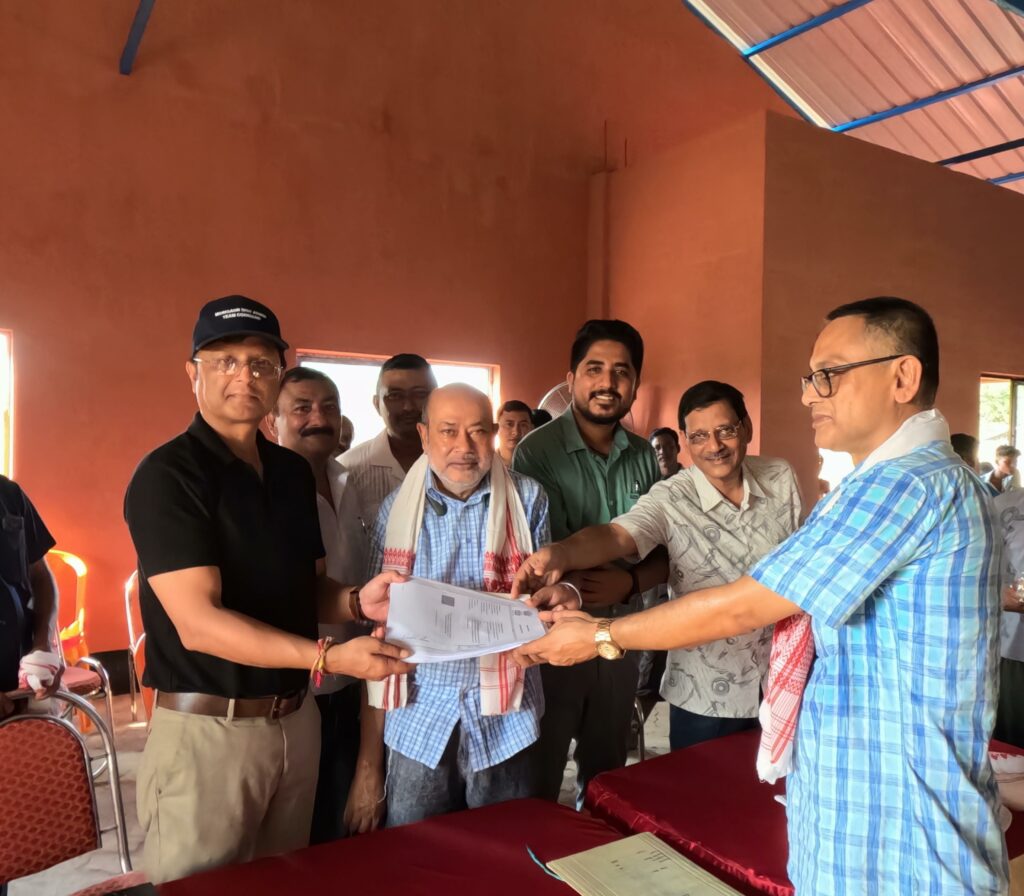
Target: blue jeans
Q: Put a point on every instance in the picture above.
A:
(415, 792)
(686, 728)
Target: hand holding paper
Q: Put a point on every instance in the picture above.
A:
(439, 622)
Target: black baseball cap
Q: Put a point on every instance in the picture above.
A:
(236, 316)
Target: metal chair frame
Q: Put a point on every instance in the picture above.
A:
(96, 666)
(109, 760)
(135, 642)
(641, 741)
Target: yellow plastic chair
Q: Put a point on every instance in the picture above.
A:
(84, 674)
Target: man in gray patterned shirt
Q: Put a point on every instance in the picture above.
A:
(717, 518)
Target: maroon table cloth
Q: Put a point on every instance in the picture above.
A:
(478, 851)
(707, 802)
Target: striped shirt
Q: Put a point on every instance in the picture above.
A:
(892, 791)
(442, 695)
(373, 473)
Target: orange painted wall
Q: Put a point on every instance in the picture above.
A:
(845, 220)
(395, 175)
(685, 238)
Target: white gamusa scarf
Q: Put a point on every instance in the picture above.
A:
(507, 544)
(793, 642)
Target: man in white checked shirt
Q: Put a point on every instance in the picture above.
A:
(891, 789)
(452, 743)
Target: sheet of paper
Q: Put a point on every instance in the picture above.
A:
(641, 865)
(439, 622)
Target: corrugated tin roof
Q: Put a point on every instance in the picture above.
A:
(936, 79)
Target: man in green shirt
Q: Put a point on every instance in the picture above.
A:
(593, 470)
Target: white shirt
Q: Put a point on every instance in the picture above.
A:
(710, 542)
(347, 543)
(373, 473)
(1009, 510)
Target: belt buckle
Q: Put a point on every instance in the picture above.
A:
(275, 708)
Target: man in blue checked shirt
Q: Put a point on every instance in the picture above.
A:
(451, 744)
(891, 790)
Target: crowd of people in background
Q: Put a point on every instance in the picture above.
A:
(261, 559)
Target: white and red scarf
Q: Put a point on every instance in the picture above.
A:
(507, 544)
(793, 641)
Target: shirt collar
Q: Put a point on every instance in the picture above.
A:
(207, 436)
(573, 441)
(435, 495)
(913, 433)
(711, 497)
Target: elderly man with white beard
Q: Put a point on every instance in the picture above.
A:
(460, 733)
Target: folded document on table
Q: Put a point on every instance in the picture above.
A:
(439, 622)
(641, 865)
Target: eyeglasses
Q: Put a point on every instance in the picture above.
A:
(724, 433)
(229, 366)
(822, 379)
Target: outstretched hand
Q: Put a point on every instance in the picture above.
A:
(543, 567)
(375, 595)
(569, 641)
(367, 658)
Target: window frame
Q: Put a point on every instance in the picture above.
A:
(369, 359)
(1016, 384)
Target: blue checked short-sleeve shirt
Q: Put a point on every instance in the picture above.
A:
(442, 695)
(892, 791)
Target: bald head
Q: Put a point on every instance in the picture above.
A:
(456, 395)
(458, 438)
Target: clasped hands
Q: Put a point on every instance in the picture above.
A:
(570, 639)
(371, 657)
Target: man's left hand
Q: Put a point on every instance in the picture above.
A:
(364, 808)
(605, 586)
(570, 641)
(375, 595)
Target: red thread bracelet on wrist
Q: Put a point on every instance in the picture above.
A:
(320, 666)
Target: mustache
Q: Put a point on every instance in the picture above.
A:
(606, 393)
(310, 431)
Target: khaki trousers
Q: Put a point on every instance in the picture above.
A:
(213, 792)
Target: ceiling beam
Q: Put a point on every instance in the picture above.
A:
(924, 101)
(984, 152)
(815, 22)
(1007, 178)
(131, 46)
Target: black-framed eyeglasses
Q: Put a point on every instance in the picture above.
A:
(822, 379)
(724, 433)
(229, 366)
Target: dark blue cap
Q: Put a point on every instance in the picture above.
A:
(236, 316)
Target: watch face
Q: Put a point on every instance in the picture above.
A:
(607, 650)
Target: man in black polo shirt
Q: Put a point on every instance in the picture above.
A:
(28, 596)
(231, 585)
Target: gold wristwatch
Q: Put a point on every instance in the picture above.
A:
(606, 647)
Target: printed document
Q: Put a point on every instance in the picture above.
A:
(641, 865)
(439, 622)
